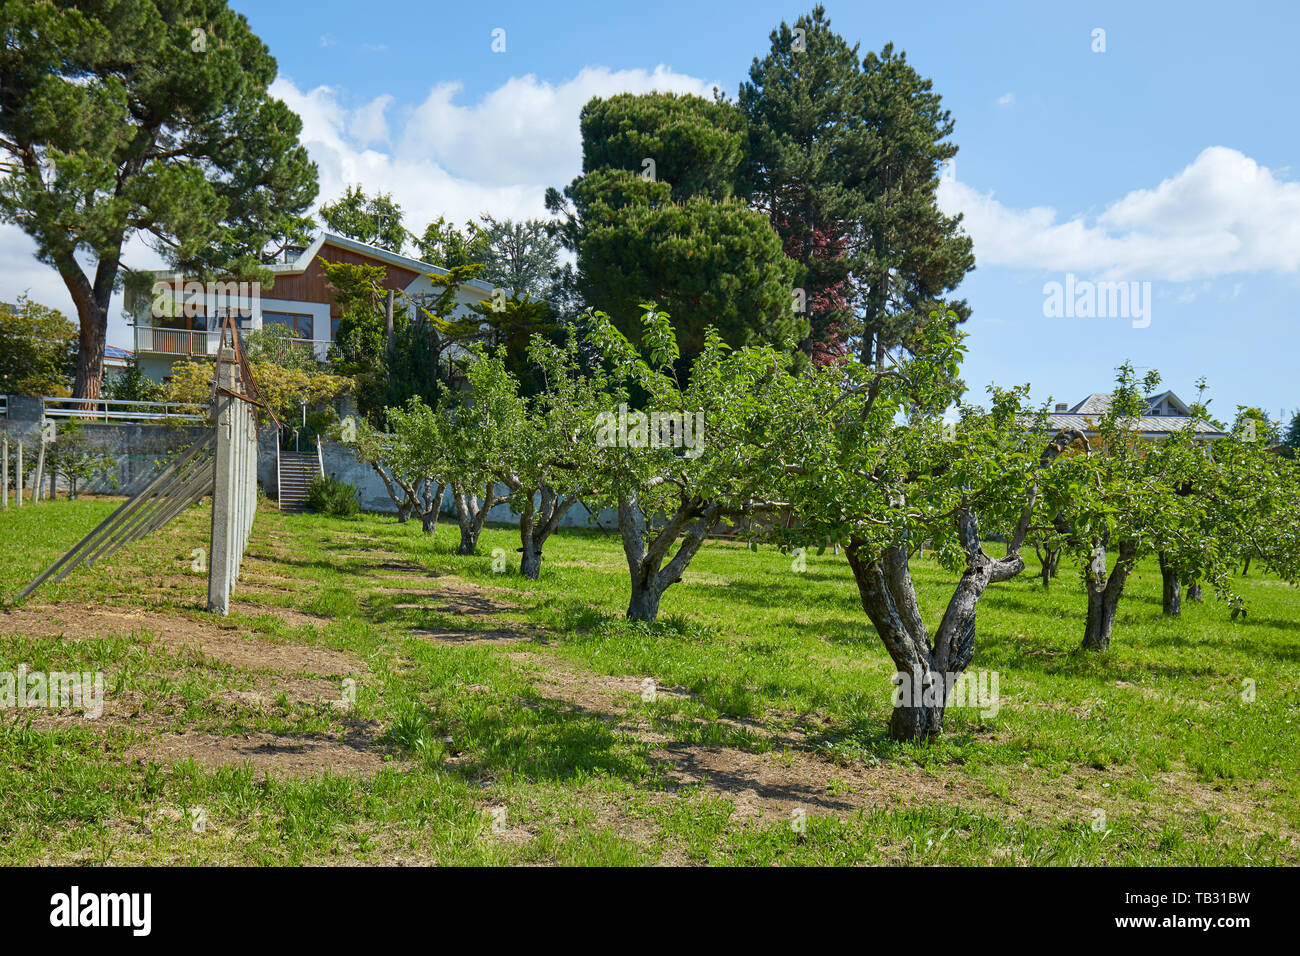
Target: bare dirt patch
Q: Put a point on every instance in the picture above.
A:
(450, 596)
(467, 638)
(227, 644)
(357, 752)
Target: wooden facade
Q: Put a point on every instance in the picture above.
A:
(310, 285)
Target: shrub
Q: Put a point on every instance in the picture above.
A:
(328, 495)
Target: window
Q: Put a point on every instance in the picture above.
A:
(299, 325)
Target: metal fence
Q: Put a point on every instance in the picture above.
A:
(179, 485)
(118, 410)
(223, 463)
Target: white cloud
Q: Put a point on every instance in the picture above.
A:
(440, 158)
(368, 123)
(446, 158)
(1006, 99)
(1222, 214)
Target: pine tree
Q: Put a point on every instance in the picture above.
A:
(670, 231)
(150, 117)
(800, 104)
(375, 220)
(910, 253)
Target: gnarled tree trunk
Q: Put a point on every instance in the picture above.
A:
(692, 521)
(1171, 598)
(1051, 562)
(537, 524)
(927, 668)
(1194, 592)
(430, 498)
(92, 302)
(471, 514)
(1104, 592)
(405, 502)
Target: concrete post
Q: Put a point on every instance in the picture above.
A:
(40, 472)
(221, 550)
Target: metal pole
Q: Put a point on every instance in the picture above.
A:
(4, 474)
(19, 483)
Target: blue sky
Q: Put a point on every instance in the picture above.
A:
(1168, 158)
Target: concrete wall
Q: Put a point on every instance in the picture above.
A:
(342, 464)
(138, 449)
(135, 449)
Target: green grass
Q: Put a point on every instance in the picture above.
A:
(758, 669)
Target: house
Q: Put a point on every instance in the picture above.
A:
(116, 362)
(180, 318)
(1165, 413)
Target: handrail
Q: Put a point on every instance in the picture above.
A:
(278, 497)
(112, 409)
(157, 338)
(320, 455)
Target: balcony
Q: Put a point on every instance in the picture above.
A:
(182, 342)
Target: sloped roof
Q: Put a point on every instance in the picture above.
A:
(1150, 425)
(1098, 403)
(1084, 416)
(365, 249)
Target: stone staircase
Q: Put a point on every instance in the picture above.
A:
(297, 472)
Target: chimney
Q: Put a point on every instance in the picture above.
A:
(1061, 406)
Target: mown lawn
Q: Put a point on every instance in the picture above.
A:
(375, 698)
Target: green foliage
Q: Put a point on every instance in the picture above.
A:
(144, 116)
(275, 345)
(680, 240)
(510, 329)
(38, 347)
(331, 496)
(78, 458)
(804, 170)
(520, 257)
(1291, 439)
(845, 159)
(754, 653)
(442, 244)
(375, 220)
(697, 146)
(132, 385)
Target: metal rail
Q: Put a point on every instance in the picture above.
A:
(107, 410)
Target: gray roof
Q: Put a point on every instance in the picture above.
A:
(1084, 416)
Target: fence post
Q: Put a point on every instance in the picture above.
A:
(4, 474)
(40, 469)
(221, 553)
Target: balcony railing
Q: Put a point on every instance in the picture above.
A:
(114, 410)
(149, 338)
